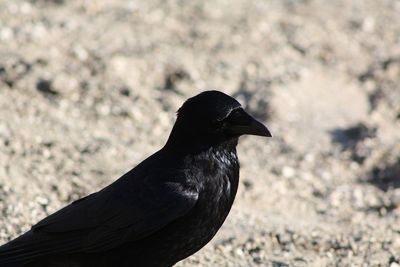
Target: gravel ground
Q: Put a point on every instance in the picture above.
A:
(88, 89)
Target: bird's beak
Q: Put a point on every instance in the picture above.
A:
(239, 123)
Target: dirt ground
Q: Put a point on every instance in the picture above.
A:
(88, 89)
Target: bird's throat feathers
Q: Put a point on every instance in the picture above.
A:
(216, 160)
(188, 146)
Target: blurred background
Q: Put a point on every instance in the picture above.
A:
(88, 89)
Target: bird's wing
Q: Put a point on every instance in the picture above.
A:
(118, 214)
(122, 212)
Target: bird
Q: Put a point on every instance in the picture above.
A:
(163, 210)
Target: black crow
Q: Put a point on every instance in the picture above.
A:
(163, 210)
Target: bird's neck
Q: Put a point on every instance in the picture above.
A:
(191, 140)
(182, 145)
(214, 163)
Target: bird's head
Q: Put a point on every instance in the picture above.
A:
(213, 117)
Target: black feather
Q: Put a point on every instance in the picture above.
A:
(160, 212)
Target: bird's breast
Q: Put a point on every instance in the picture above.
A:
(217, 173)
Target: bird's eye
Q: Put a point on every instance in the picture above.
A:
(217, 123)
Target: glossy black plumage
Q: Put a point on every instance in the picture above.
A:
(160, 212)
